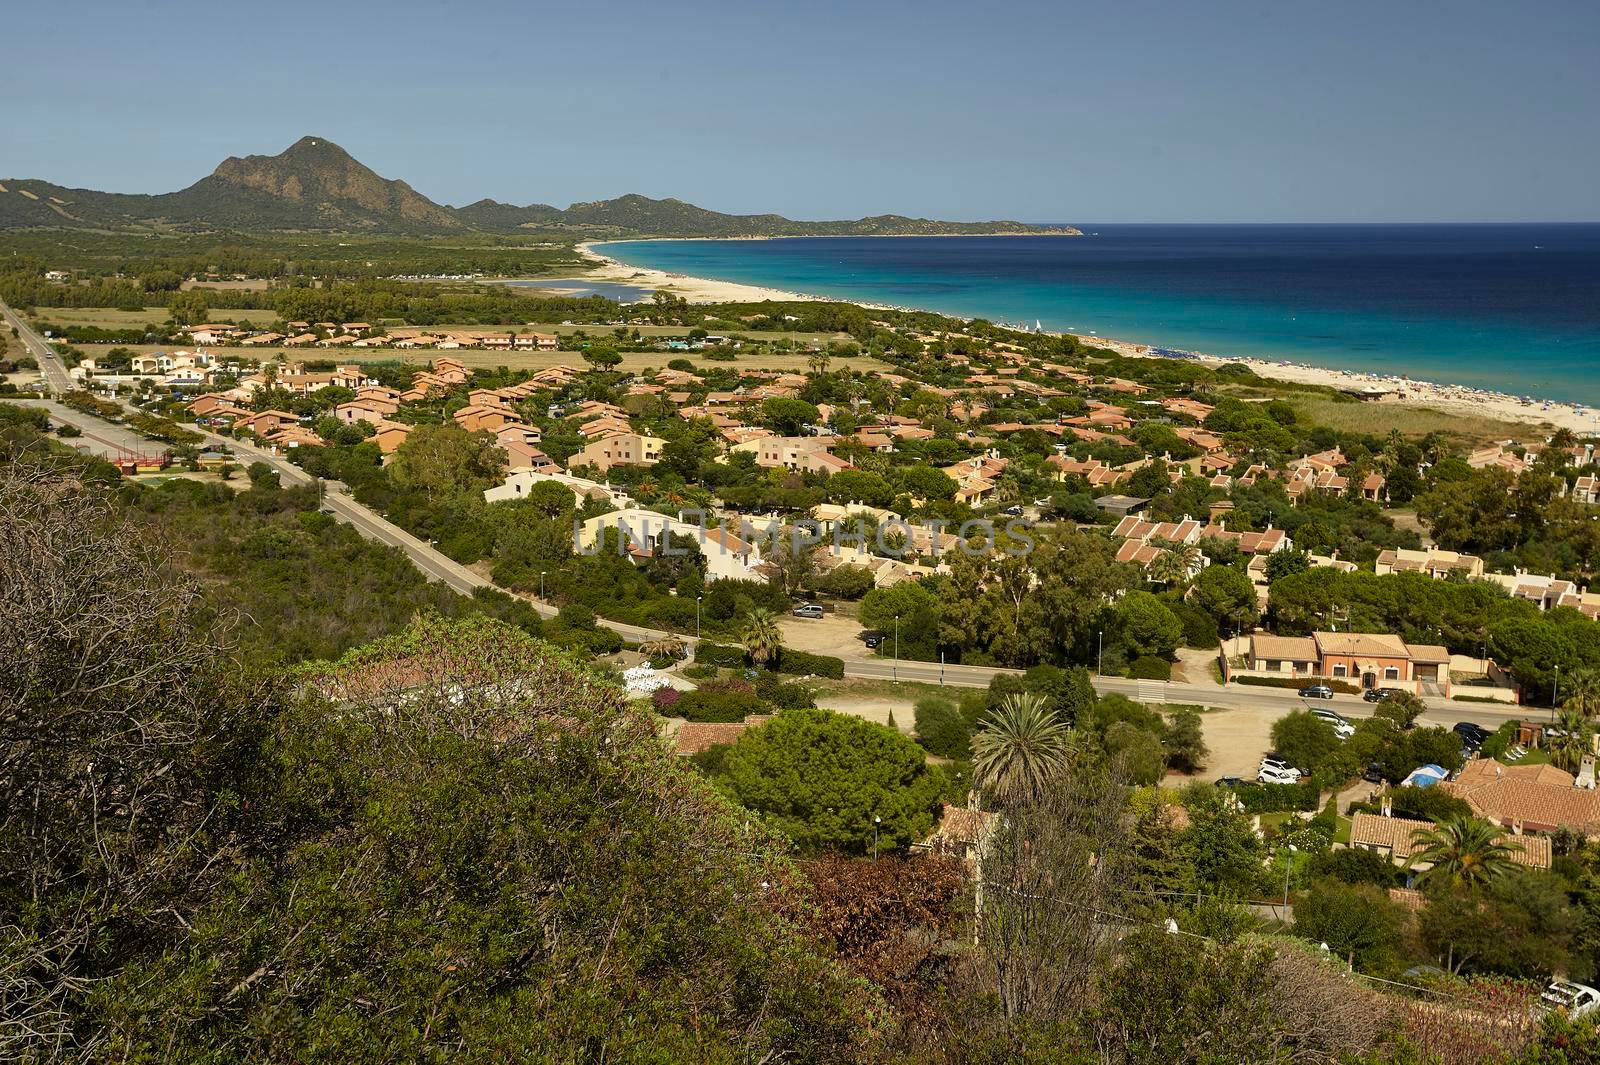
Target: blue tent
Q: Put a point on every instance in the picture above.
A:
(1425, 776)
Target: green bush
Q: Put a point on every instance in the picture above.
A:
(1355, 865)
(1298, 682)
(785, 695)
(1421, 804)
(718, 654)
(699, 672)
(1149, 667)
(942, 729)
(847, 582)
(803, 663)
(719, 701)
(1199, 627)
(1277, 798)
(1502, 740)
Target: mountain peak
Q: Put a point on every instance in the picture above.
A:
(317, 173)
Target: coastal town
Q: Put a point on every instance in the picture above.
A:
(450, 626)
(1302, 615)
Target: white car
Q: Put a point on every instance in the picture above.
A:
(1342, 728)
(1275, 770)
(1271, 774)
(1574, 999)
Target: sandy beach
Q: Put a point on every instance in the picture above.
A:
(693, 289)
(1401, 391)
(1384, 389)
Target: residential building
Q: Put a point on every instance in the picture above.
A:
(518, 483)
(1399, 839)
(623, 449)
(1435, 562)
(694, 737)
(726, 554)
(1372, 660)
(1547, 591)
(1526, 798)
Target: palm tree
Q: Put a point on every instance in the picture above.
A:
(1568, 748)
(1021, 748)
(761, 639)
(1582, 691)
(665, 647)
(818, 361)
(1465, 851)
(1174, 565)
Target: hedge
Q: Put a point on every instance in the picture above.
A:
(1149, 667)
(719, 654)
(1275, 798)
(1297, 683)
(803, 663)
(791, 661)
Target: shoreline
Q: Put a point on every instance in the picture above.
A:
(1396, 389)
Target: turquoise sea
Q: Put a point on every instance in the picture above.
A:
(1511, 308)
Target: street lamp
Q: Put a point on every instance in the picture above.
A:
(1100, 655)
(541, 584)
(876, 821)
(897, 647)
(1555, 694)
(1288, 867)
(697, 601)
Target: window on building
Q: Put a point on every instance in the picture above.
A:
(1340, 671)
(1391, 673)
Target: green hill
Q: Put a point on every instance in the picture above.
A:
(314, 185)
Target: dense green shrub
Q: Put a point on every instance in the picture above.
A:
(823, 778)
(804, 663)
(717, 654)
(942, 730)
(1421, 804)
(1149, 667)
(1297, 683)
(847, 582)
(728, 700)
(784, 695)
(1276, 798)
(1199, 627)
(1355, 865)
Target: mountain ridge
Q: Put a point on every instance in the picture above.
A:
(315, 185)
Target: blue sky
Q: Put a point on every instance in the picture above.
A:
(1118, 111)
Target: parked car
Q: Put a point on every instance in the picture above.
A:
(1373, 774)
(1471, 734)
(1316, 691)
(1278, 775)
(873, 640)
(1378, 695)
(1229, 782)
(1342, 728)
(1573, 999)
(1276, 761)
(808, 610)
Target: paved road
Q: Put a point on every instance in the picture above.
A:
(99, 436)
(55, 374)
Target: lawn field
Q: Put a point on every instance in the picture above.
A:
(1419, 420)
(111, 318)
